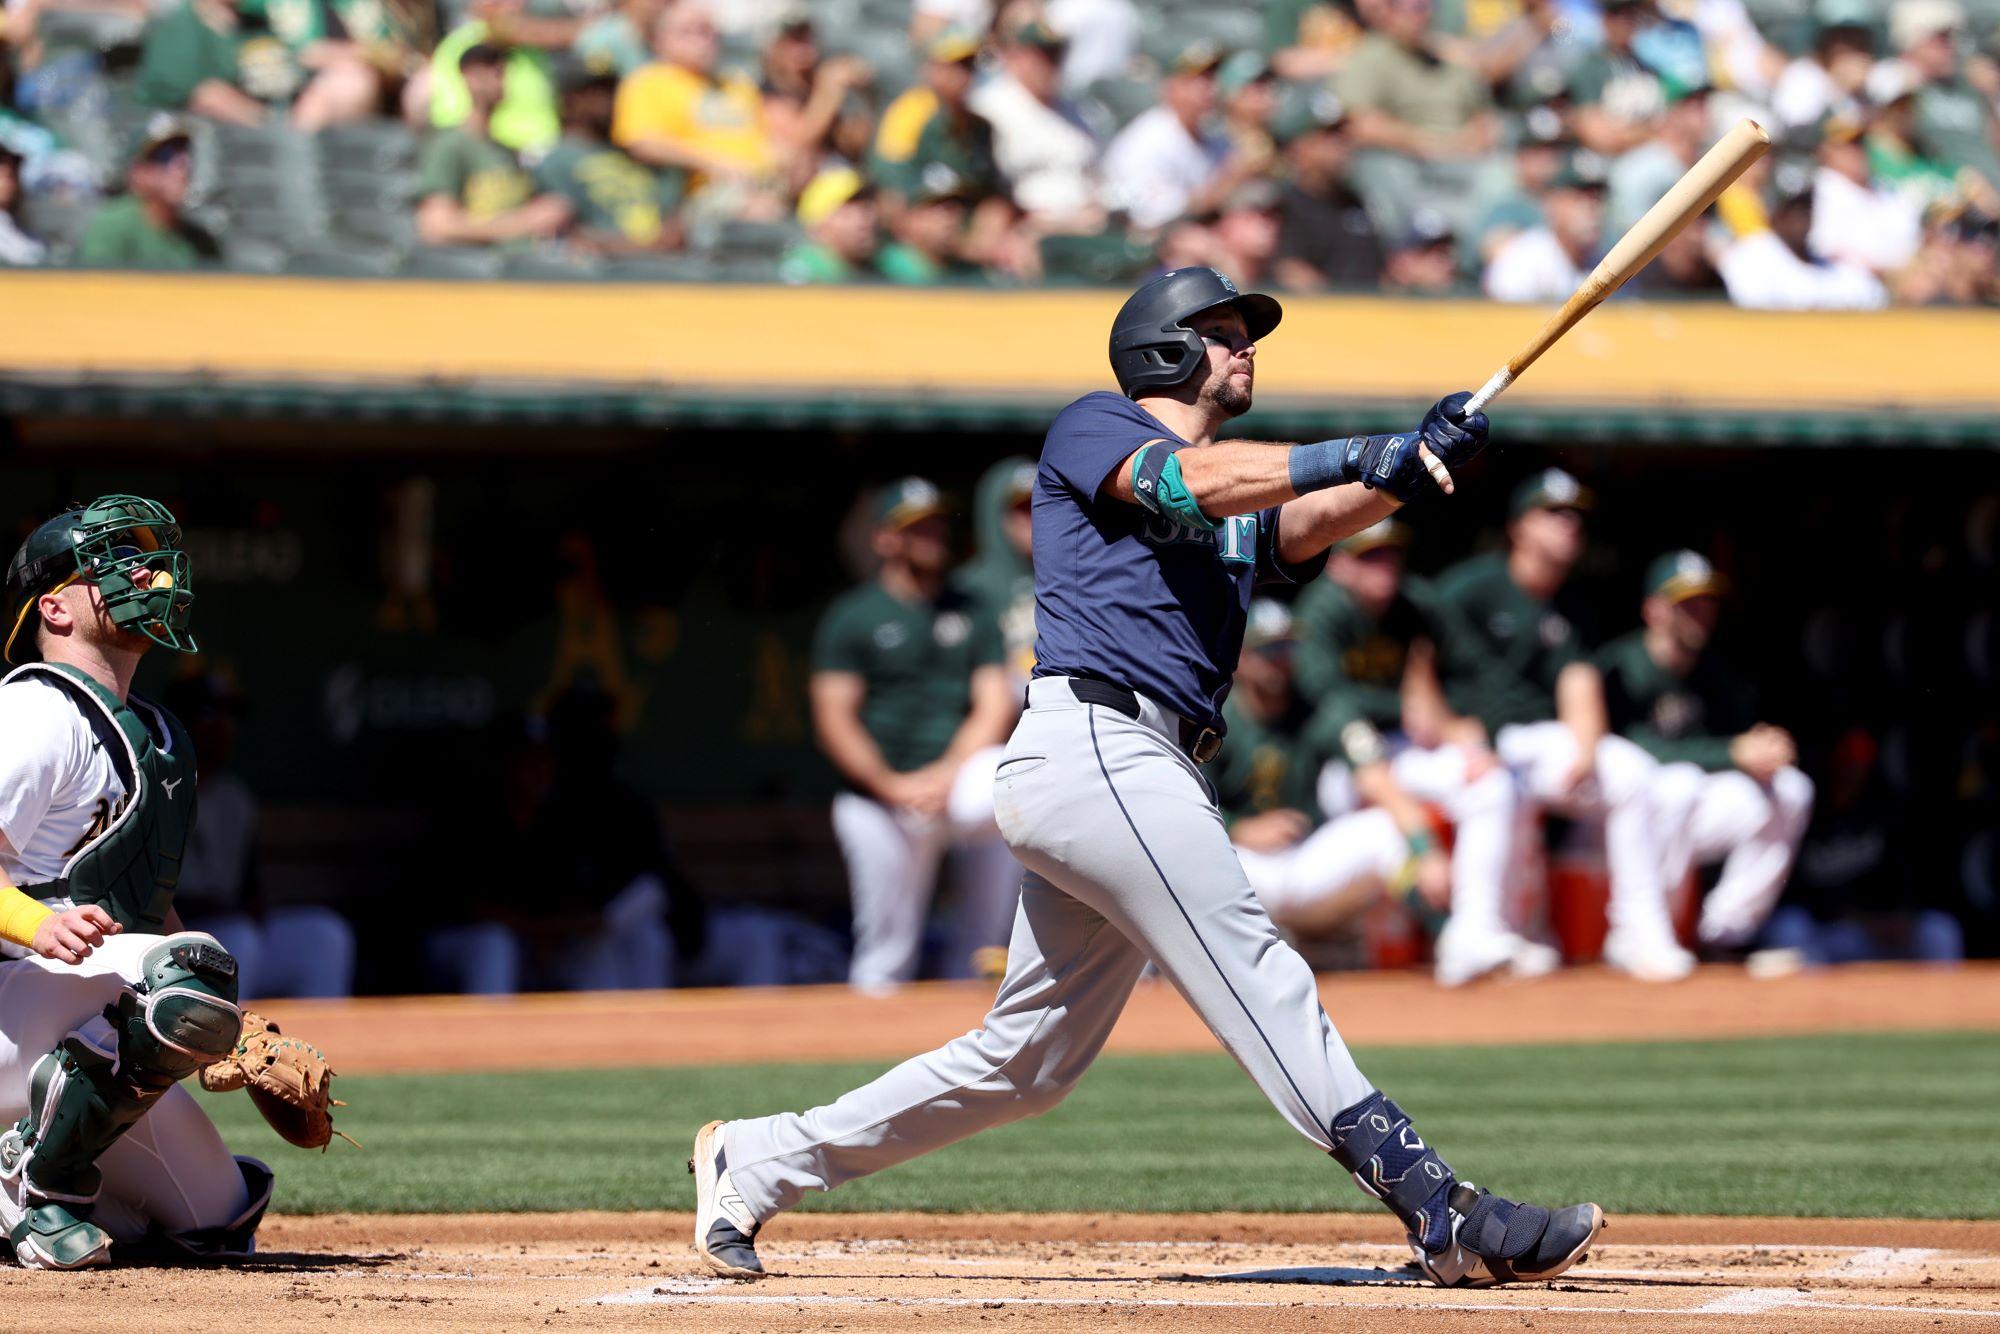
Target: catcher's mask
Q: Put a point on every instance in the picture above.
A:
(106, 543)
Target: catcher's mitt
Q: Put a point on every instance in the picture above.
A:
(289, 1081)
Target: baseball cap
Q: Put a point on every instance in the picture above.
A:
(1303, 111)
(938, 182)
(1911, 21)
(1390, 532)
(952, 46)
(1240, 71)
(1198, 58)
(1581, 170)
(1039, 35)
(1258, 195)
(828, 191)
(1428, 227)
(1269, 622)
(1891, 81)
(157, 133)
(1021, 482)
(1680, 575)
(906, 500)
(1550, 489)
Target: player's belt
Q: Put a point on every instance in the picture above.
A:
(1200, 743)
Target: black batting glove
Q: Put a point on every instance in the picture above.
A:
(1454, 438)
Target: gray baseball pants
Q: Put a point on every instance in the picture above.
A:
(1127, 861)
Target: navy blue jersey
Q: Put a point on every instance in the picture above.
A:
(1126, 596)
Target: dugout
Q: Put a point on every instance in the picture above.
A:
(419, 510)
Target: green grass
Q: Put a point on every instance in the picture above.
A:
(1883, 1125)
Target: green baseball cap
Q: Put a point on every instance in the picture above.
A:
(1301, 111)
(1039, 35)
(1389, 532)
(906, 500)
(1680, 575)
(953, 46)
(1269, 622)
(1240, 71)
(1021, 482)
(1550, 489)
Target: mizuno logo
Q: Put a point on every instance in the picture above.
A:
(168, 786)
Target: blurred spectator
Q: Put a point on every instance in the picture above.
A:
(473, 190)
(1045, 148)
(198, 57)
(1308, 40)
(618, 40)
(1957, 262)
(1514, 203)
(23, 51)
(1002, 574)
(1771, 265)
(1325, 238)
(1101, 36)
(1636, 181)
(618, 205)
(838, 213)
(1731, 791)
(1250, 102)
(17, 247)
(680, 112)
(931, 129)
(1897, 159)
(1683, 269)
(347, 51)
(144, 228)
(930, 18)
(1856, 894)
(292, 950)
(1853, 221)
(1246, 232)
(1313, 870)
(1545, 263)
(1424, 125)
(1830, 79)
(1170, 160)
(1954, 120)
(1618, 100)
(810, 102)
(1424, 260)
(929, 232)
(527, 118)
(910, 701)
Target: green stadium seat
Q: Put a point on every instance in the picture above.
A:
(1124, 98)
(394, 230)
(1096, 260)
(376, 145)
(250, 254)
(58, 221)
(337, 259)
(657, 269)
(542, 266)
(88, 30)
(737, 240)
(455, 263)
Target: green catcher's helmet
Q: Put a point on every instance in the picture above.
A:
(106, 542)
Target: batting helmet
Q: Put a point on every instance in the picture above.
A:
(105, 542)
(1151, 345)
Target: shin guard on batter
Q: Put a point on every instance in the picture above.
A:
(180, 1016)
(1463, 1236)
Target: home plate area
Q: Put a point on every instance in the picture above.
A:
(1068, 1271)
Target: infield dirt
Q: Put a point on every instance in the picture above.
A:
(909, 1272)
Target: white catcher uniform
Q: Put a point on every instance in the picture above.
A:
(58, 787)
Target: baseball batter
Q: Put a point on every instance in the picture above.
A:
(1150, 533)
(105, 1005)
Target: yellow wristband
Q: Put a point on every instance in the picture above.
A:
(21, 916)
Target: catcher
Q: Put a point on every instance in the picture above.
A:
(106, 1003)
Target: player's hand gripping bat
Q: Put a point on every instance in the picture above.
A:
(1690, 196)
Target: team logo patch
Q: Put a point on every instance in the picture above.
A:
(951, 628)
(1555, 629)
(890, 634)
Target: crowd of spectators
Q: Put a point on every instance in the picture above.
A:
(1418, 146)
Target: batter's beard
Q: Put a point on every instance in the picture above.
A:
(1228, 399)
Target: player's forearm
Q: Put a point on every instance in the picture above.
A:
(1237, 476)
(225, 102)
(1580, 704)
(847, 745)
(1311, 524)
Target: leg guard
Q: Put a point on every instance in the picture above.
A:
(233, 1240)
(1377, 1143)
(180, 1016)
(1463, 1236)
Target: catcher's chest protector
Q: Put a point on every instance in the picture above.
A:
(131, 860)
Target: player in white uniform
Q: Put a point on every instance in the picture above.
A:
(105, 1004)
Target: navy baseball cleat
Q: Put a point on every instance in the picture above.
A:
(725, 1235)
(1494, 1240)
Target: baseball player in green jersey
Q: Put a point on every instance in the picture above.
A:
(911, 702)
(113, 1005)
(1002, 574)
(1311, 873)
(1368, 636)
(1731, 790)
(1514, 660)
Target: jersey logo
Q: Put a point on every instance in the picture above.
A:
(1555, 629)
(1234, 539)
(889, 634)
(168, 785)
(951, 628)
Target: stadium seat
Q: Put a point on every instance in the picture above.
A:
(253, 254)
(1097, 260)
(540, 266)
(740, 240)
(458, 263)
(340, 259)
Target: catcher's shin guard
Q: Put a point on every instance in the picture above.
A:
(1463, 1236)
(180, 1016)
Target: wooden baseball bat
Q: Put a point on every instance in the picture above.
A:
(1691, 194)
